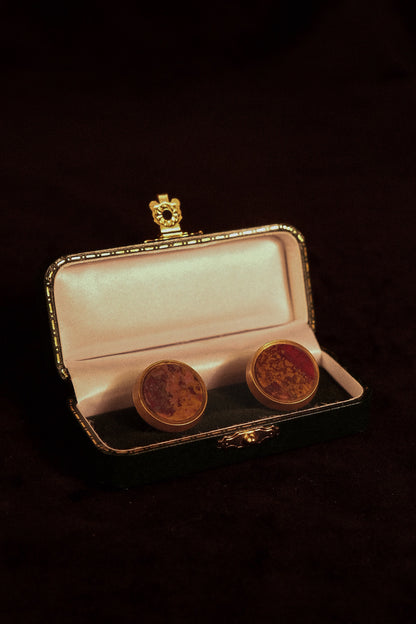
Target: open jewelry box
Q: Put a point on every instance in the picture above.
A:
(210, 301)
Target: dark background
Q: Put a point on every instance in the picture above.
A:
(251, 113)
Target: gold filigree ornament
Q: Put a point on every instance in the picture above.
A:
(167, 215)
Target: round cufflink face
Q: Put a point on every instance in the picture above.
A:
(283, 374)
(170, 396)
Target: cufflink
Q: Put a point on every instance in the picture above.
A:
(283, 374)
(170, 396)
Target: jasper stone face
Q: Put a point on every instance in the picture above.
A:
(285, 372)
(173, 392)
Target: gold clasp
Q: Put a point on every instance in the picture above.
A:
(167, 215)
(246, 437)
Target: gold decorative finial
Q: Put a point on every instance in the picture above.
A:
(167, 214)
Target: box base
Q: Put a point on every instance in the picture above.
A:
(128, 452)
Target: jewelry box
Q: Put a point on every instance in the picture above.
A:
(210, 301)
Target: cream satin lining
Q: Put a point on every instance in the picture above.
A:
(210, 305)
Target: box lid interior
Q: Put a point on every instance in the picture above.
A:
(210, 301)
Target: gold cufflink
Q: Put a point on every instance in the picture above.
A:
(283, 374)
(170, 396)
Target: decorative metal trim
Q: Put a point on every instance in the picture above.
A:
(248, 437)
(167, 215)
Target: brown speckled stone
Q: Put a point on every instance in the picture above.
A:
(285, 372)
(173, 391)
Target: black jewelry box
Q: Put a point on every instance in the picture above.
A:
(207, 300)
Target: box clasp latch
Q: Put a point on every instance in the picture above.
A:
(167, 215)
(247, 437)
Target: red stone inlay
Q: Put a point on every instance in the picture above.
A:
(173, 391)
(285, 372)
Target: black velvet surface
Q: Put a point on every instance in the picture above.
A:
(251, 114)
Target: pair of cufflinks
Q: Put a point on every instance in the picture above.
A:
(172, 396)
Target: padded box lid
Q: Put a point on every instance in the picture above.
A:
(208, 300)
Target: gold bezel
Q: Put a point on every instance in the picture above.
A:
(265, 398)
